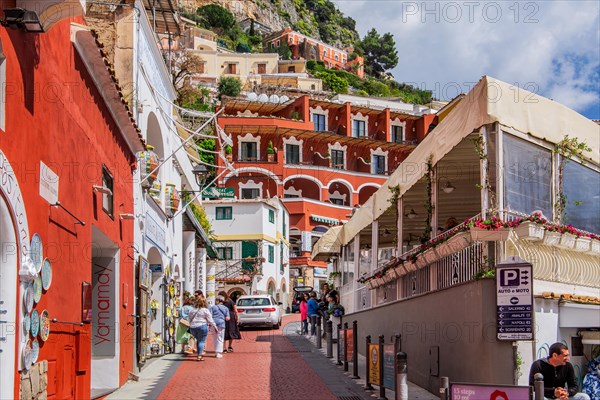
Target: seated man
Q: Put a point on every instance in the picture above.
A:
(557, 372)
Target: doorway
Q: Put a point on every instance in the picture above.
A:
(105, 321)
(8, 302)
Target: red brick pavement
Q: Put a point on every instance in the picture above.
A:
(264, 365)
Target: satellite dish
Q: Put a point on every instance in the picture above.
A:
(274, 98)
(263, 98)
(252, 96)
(283, 99)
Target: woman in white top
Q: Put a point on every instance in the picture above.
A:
(200, 319)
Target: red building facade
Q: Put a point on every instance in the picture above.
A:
(328, 158)
(67, 152)
(305, 47)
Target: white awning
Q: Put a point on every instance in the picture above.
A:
(329, 244)
(488, 102)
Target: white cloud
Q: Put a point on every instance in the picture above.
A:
(548, 45)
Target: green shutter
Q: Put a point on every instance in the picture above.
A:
(249, 249)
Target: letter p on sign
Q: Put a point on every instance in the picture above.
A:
(509, 277)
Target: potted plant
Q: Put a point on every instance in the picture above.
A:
(270, 152)
(228, 151)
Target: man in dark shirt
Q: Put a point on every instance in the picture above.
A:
(557, 371)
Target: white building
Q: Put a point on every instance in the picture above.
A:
(252, 240)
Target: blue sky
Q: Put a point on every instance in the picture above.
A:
(551, 48)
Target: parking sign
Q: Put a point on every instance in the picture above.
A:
(514, 300)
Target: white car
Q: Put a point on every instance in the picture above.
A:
(258, 310)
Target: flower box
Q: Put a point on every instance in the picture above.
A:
(530, 231)
(567, 241)
(420, 262)
(583, 244)
(430, 256)
(370, 283)
(410, 266)
(551, 238)
(595, 248)
(490, 235)
(400, 270)
(455, 244)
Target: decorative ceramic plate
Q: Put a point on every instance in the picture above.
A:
(172, 290)
(36, 250)
(28, 298)
(171, 330)
(35, 350)
(46, 274)
(27, 355)
(37, 289)
(26, 324)
(35, 323)
(168, 311)
(44, 325)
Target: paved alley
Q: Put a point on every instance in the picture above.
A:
(265, 364)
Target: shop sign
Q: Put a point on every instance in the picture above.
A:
(9, 186)
(155, 233)
(218, 193)
(468, 391)
(48, 184)
(349, 353)
(389, 366)
(320, 272)
(103, 300)
(374, 364)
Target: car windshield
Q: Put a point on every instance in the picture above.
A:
(254, 302)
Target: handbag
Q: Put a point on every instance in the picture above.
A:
(184, 322)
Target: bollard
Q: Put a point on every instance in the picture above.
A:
(329, 338)
(355, 350)
(401, 376)
(444, 387)
(345, 348)
(397, 343)
(368, 385)
(319, 344)
(538, 386)
(381, 386)
(339, 342)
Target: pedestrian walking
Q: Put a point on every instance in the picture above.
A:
(220, 314)
(232, 331)
(304, 314)
(182, 334)
(313, 312)
(200, 319)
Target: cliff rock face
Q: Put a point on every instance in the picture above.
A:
(271, 14)
(319, 19)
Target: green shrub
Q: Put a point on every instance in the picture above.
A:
(333, 82)
(229, 86)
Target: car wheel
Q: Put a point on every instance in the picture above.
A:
(277, 325)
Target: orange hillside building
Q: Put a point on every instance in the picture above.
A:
(305, 47)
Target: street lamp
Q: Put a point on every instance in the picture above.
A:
(19, 18)
(200, 173)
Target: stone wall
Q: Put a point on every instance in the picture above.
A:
(34, 382)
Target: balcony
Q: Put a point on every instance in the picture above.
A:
(559, 254)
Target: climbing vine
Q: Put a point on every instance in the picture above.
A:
(567, 148)
(480, 149)
(428, 205)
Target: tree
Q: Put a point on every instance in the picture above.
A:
(184, 65)
(229, 86)
(216, 17)
(379, 51)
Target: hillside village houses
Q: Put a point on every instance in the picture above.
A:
(500, 164)
(252, 69)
